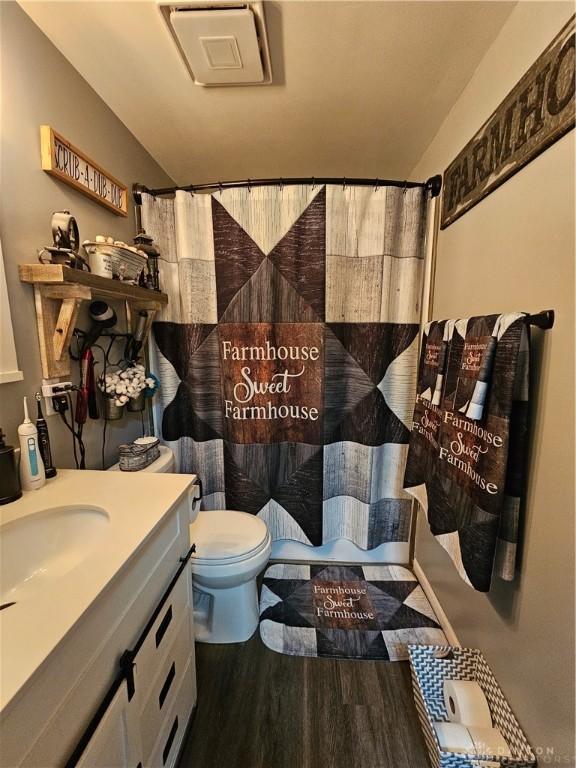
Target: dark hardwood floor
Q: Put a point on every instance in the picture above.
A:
(260, 709)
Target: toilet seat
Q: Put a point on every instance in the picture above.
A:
(223, 537)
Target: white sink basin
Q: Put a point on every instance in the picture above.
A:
(43, 547)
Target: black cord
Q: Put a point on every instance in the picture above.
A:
(82, 447)
(106, 362)
(76, 335)
(130, 350)
(65, 420)
(104, 440)
(77, 442)
(78, 434)
(120, 360)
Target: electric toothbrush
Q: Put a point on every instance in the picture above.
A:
(44, 440)
(32, 474)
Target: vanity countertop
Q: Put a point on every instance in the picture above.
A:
(130, 507)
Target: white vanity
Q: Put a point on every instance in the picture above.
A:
(97, 648)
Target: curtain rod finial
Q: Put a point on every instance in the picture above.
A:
(543, 319)
(137, 190)
(434, 185)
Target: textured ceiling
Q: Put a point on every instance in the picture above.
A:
(360, 88)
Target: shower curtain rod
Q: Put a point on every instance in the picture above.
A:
(433, 185)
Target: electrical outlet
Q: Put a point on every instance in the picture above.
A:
(51, 389)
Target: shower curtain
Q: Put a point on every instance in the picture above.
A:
(288, 352)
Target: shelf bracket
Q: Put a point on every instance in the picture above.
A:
(57, 308)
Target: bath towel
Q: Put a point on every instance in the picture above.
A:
(467, 448)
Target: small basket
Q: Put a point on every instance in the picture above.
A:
(136, 456)
(115, 261)
(428, 674)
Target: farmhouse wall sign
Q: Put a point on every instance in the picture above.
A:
(535, 114)
(62, 159)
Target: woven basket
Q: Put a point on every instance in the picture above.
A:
(133, 457)
(428, 675)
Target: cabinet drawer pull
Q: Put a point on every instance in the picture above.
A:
(164, 624)
(167, 684)
(169, 741)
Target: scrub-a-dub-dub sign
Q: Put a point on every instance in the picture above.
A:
(535, 114)
(66, 162)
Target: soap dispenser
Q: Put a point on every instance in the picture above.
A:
(9, 481)
(32, 475)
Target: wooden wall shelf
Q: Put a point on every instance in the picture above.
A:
(59, 292)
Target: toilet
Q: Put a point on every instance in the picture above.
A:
(231, 550)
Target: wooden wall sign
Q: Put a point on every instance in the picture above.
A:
(62, 159)
(535, 114)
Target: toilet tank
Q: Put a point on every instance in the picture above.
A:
(166, 462)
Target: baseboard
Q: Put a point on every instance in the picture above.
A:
(340, 551)
(435, 603)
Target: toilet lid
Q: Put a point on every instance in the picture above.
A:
(225, 535)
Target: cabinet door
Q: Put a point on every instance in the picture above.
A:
(116, 741)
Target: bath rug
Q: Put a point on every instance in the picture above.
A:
(345, 611)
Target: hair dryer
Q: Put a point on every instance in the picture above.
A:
(102, 317)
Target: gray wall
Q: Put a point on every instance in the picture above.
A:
(515, 251)
(39, 86)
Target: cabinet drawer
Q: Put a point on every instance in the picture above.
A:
(164, 688)
(170, 739)
(160, 636)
